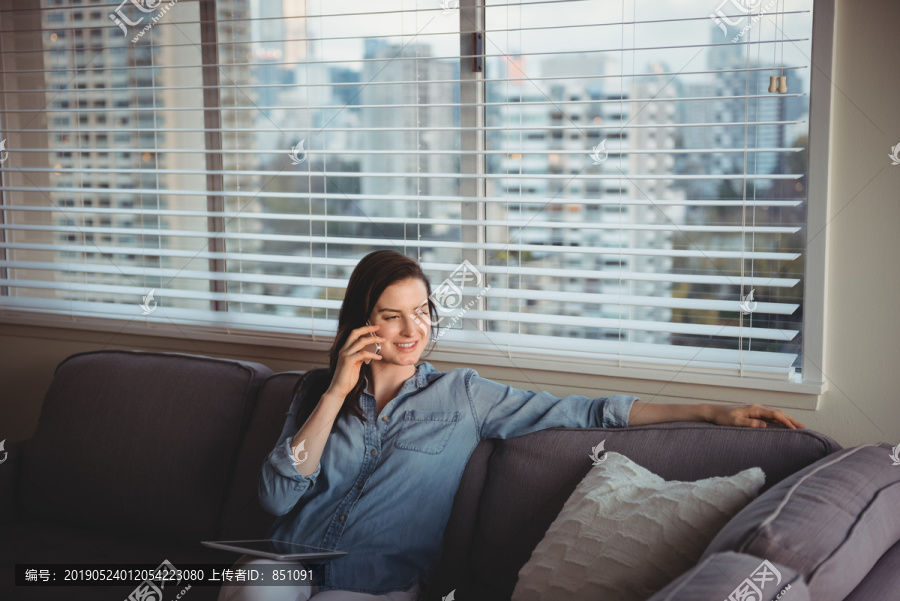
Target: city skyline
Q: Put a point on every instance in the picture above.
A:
(389, 125)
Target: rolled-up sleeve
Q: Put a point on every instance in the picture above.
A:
(504, 412)
(280, 484)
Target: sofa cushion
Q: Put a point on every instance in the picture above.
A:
(625, 533)
(882, 581)
(509, 497)
(829, 522)
(244, 517)
(730, 575)
(9, 477)
(138, 443)
(43, 544)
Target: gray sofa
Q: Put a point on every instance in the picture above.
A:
(137, 456)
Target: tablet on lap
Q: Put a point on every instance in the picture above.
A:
(274, 549)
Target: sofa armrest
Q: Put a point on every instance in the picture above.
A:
(9, 478)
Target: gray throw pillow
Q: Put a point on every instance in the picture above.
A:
(830, 521)
(625, 532)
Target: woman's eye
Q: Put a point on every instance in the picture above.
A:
(395, 317)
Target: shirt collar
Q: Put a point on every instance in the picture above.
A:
(419, 379)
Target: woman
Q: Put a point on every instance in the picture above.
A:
(374, 468)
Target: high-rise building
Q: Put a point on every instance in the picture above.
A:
(404, 130)
(124, 102)
(551, 134)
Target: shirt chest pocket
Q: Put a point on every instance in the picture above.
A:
(426, 431)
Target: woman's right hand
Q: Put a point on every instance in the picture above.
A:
(350, 359)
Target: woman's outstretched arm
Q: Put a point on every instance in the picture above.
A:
(723, 415)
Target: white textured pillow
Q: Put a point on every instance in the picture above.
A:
(626, 533)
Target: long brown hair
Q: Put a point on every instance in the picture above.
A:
(375, 272)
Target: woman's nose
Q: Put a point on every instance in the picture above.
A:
(410, 328)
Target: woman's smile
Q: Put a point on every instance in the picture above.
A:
(406, 347)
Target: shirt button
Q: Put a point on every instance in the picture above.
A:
(384, 419)
(341, 518)
(372, 452)
(359, 485)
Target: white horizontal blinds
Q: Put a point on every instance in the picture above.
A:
(94, 96)
(635, 127)
(368, 123)
(202, 199)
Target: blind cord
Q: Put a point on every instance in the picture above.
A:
(324, 140)
(237, 182)
(156, 158)
(309, 200)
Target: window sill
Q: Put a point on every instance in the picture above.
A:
(660, 386)
(560, 376)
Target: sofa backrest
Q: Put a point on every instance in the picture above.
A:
(139, 443)
(244, 518)
(512, 490)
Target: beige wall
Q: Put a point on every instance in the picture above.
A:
(862, 332)
(862, 335)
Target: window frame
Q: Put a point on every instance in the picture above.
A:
(535, 367)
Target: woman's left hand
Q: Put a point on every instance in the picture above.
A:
(751, 416)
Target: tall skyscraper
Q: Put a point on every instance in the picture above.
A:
(125, 102)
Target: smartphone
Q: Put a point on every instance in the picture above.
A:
(377, 345)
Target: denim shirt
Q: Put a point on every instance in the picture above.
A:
(384, 488)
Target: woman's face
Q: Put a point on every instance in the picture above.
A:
(402, 313)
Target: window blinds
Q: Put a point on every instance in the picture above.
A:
(618, 174)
